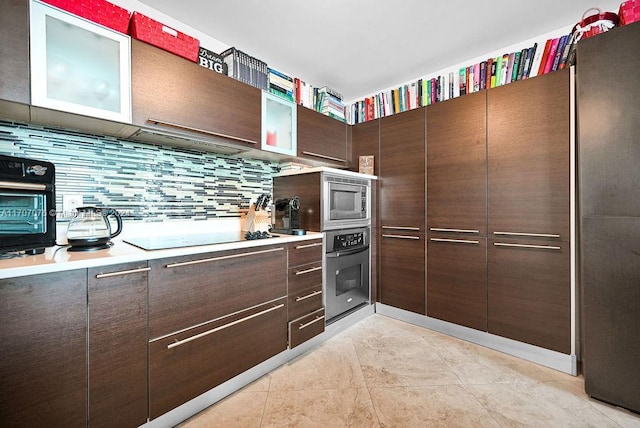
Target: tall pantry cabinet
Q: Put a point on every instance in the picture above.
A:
(402, 213)
(609, 152)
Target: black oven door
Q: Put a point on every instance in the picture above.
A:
(347, 280)
(27, 217)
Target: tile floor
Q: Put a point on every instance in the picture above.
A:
(383, 372)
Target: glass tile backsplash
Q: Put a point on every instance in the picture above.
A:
(142, 181)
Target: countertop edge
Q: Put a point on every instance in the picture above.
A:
(57, 259)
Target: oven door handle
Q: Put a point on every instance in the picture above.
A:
(347, 253)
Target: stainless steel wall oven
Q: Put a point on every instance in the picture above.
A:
(347, 273)
(27, 205)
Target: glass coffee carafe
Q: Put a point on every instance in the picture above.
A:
(90, 229)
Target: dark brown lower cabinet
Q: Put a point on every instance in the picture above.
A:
(611, 318)
(187, 364)
(402, 271)
(529, 289)
(457, 280)
(118, 345)
(43, 350)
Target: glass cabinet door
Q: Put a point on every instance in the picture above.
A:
(78, 66)
(278, 125)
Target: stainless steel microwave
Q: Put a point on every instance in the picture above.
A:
(27, 205)
(346, 201)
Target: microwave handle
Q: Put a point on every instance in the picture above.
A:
(347, 253)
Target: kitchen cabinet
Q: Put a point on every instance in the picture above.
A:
(305, 296)
(528, 154)
(211, 317)
(308, 188)
(172, 93)
(321, 138)
(402, 211)
(279, 125)
(117, 310)
(78, 66)
(43, 336)
(456, 211)
(14, 51)
(609, 155)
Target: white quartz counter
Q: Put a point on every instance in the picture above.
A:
(56, 259)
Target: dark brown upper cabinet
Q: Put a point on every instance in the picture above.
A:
(14, 51)
(365, 141)
(321, 138)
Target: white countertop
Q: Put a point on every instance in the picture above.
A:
(57, 259)
(325, 169)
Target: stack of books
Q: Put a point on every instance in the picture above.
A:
(281, 85)
(304, 93)
(245, 68)
(329, 103)
(557, 54)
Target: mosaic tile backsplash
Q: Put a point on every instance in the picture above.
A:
(143, 181)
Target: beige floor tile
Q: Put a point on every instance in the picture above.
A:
(431, 406)
(622, 417)
(320, 408)
(377, 325)
(332, 365)
(538, 405)
(240, 410)
(259, 385)
(401, 361)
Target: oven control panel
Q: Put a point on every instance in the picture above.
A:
(349, 240)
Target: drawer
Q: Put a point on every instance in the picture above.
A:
(189, 363)
(306, 327)
(307, 300)
(190, 290)
(305, 252)
(305, 276)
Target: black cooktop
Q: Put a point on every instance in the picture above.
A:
(190, 240)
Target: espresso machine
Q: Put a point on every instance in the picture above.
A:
(285, 216)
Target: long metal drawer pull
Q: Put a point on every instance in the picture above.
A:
(323, 156)
(318, 318)
(222, 327)
(535, 235)
(22, 186)
(316, 244)
(400, 228)
(441, 229)
(400, 236)
(457, 241)
(301, 272)
(199, 131)
(315, 293)
(541, 247)
(122, 272)
(213, 259)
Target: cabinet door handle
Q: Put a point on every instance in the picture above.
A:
(213, 259)
(302, 272)
(198, 131)
(222, 327)
(318, 155)
(456, 241)
(441, 229)
(401, 228)
(534, 235)
(400, 236)
(122, 272)
(318, 318)
(541, 247)
(315, 293)
(315, 244)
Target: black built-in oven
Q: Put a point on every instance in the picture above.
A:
(27, 205)
(347, 273)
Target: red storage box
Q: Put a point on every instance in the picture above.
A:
(99, 11)
(157, 34)
(629, 12)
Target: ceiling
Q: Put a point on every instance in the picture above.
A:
(359, 47)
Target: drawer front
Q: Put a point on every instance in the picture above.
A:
(305, 276)
(306, 327)
(186, 291)
(307, 300)
(305, 252)
(187, 364)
